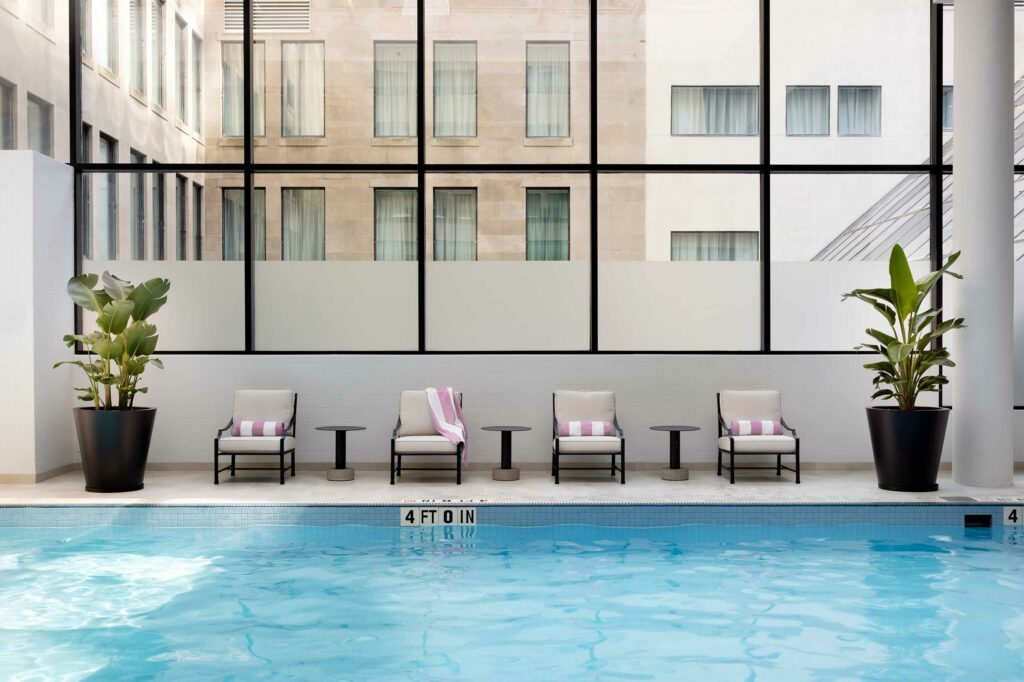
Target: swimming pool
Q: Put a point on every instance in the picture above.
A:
(554, 602)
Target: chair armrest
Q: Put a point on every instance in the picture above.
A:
(398, 425)
(618, 429)
(723, 428)
(290, 429)
(231, 422)
(788, 427)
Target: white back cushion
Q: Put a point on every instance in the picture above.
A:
(574, 406)
(414, 414)
(257, 405)
(751, 405)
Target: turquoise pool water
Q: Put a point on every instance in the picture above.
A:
(497, 603)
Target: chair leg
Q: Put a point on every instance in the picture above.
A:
(732, 467)
(398, 471)
(216, 465)
(622, 463)
(719, 461)
(557, 468)
(232, 465)
(778, 465)
(797, 467)
(613, 467)
(281, 464)
(293, 462)
(392, 465)
(458, 468)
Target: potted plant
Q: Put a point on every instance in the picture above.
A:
(907, 439)
(113, 433)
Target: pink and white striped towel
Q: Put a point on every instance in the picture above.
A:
(257, 428)
(446, 413)
(586, 428)
(755, 427)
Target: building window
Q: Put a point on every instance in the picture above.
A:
(107, 201)
(714, 246)
(86, 156)
(197, 221)
(40, 125)
(233, 219)
(106, 37)
(302, 224)
(137, 19)
(233, 112)
(394, 89)
(181, 70)
(807, 110)
(547, 224)
(947, 107)
(41, 11)
(85, 25)
(138, 198)
(455, 224)
(8, 115)
(454, 89)
(860, 111)
(302, 89)
(159, 217)
(159, 49)
(394, 224)
(197, 83)
(714, 110)
(181, 217)
(547, 89)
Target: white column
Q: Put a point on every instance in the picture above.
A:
(982, 387)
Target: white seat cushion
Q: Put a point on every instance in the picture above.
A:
(568, 445)
(268, 444)
(761, 444)
(432, 445)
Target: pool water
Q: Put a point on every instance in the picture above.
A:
(499, 603)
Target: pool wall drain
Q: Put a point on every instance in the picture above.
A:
(977, 520)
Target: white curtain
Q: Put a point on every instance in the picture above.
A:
(547, 224)
(547, 89)
(454, 89)
(138, 192)
(302, 224)
(158, 216)
(156, 26)
(137, 31)
(105, 33)
(233, 212)
(860, 110)
(727, 110)
(106, 196)
(302, 89)
(395, 229)
(714, 246)
(181, 218)
(7, 110)
(40, 126)
(232, 110)
(807, 110)
(394, 90)
(455, 224)
(947, 107)
(181, 71)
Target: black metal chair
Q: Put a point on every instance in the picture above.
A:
(258, 405)
(416, 436)
(595, 406)
(754, 405)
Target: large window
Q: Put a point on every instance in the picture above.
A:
(547, 224)
(302, 89)
(455, 89)
(40, 125)
(106, 202)
(198, 235)
(714, 246)
(394, 221)
(159, 217)
(85, 215)
(547, 89)
(158, 28)
(41, 11)
(181, 217)
(947, 107)
(138, 203)
(807, 110)
(860, 111)
(233, 210)
(394, 89)
(714, 110)
(302, 224)
(197, 84)
(181, 68)
(455, 224)
(105, 34)
(8, 116)
(232, 110)
(137, 29)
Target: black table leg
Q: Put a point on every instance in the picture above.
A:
(506, 449)
(673, 450)
(340, 450)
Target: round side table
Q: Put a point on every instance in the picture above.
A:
(506, 472)
(674, 472)
(340, 472)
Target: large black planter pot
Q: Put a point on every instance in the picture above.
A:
(907, 446)
(115, 445)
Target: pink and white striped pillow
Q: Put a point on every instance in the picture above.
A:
(257, 428)
(586, 429)
(755, 427)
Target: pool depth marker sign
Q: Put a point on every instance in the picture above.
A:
(438, 516)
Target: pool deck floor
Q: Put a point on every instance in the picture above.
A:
(535, 487)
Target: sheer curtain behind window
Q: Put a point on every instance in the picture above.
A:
(233, 114)
(807, 110)
(40, 125)
(8, 138)
(302, 89)
(106, 195)
(105, 33)
(947, 107)
(547, 89)
(547, 224)
(395, 224)
(714, 110)
(714, 246)
(302, 224)
(455, 224)
(137, 30)
(233, 220)
(159, 219)
(394, 90)
(860, 110)
(454, 89)
(138, 197)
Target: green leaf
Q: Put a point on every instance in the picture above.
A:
(156, 362)
(116, 288)
(881, 336)
(115, 317)
(904, 288)
(149, 297)
(925, 283)
(898, 352)
(882, 393)
(81, 291)
(109, 349)
(137, 337)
